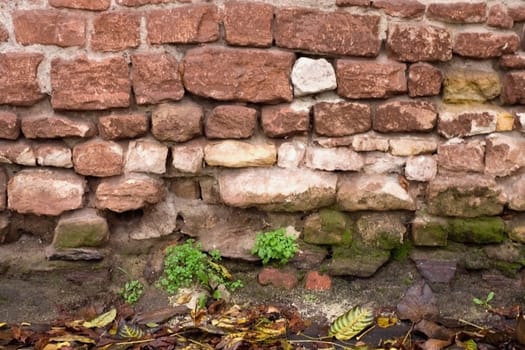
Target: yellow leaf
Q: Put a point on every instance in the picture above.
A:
(184, 298)
(51, 347)
(3, 324)
(69, 338)
(152, 324)
(102, 320)
(351, 323)
(387, 320)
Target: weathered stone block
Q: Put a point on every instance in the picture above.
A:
(3, 193)
(277, 278)
(437, 266)
(344, 3)
(516, 228)
(311, 76)
(156, 78)
(415, 43)
(284, 120)
(81, 228)
(19, 83)
(146, 156)
(465, 195)
(499, 17)
(178, 122)
(187, 188)
(514, 189)
(317, 281)
(359, 260)
(370, 142)
(115, 31)
(9, 125)
(98, 158)
(458, 12)
(128, 192)
(424, 80)
(485, 44)
(373, 192)
(405, 116)
(188, 157)
(421, 168)
(429, 231)
(383, 163)
(517, 12)
(460, 155)
(231, 122)
(45, 192)
(480, 230)
(504, 154)
(463, 86)
(291, 154)
(240, 154)
(343, 33)
(413, 145)
(362, 79)
(330, 159)
(86, 84)
(94, 5)
(400, 8)
(122, 126)
(382, 230)
(474, 119)
(19, 152)
(52, 126)
(328, 226)
(231, 74)
(513, 88)
(183, 25)
(342, 118)
(278, 189)
(252, 30)
(55, 154)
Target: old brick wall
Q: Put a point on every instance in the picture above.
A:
(362, 123)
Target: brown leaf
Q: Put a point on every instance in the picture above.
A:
(435, 344)
(433, 330)
(160, 316)
(418, 303)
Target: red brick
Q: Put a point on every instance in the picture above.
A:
(413, 43)
(513, 90)
(316, 281)
(343, 33)
(400, 8)
(249, 75)
(18, 78)
(485, 44)
(183, 25)
(115, 31)
(49, 27)
(156, 78)
(231, 122)
(143, 2)
(4, 34)
(405, 116)
(84, 84)
(368, 79)
(342, 118)
(352, 2)
(499, 17)
(122, 126)
(512, 61)
(458, 12)
(94, 5)
(50, 126)
(517, 13)
(98, 158)
(252, 30)
(282, 121)
(277, 278)
(424, 80)
(9, 125)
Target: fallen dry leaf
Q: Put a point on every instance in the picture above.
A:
(418, 303)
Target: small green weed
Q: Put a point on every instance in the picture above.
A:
(132, 290)
(186, 264)
(275, 245)
(485, 303)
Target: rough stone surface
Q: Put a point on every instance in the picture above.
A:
(421, 168)
(429, 231)
(413, 145)
(513, 88)
(504, 154)
(463, 86)
(81, 228)
(352, 2)
(252, 30)
(458, 121)
(122, 126)
(240, 154)
(98, 158)
(277, 278)
(277, 189)
(516, 228)
(516, 61)
(291, 154)
(418, 303)
(362, 79)
(328, 227)
(436, 270)
(383, 163)
(52, 126)
(84, 84)
(9, 125)
(311, 76)
(514, 189)
(479, 230)
(4, 34)
(405, 116)
(460, 155)
(19, 152)
(45, 192)
(178, 122)
(458, 12)
(156, 78)
(115, 31)
(370, 142)
(188, 157)
(128, 192)
(18, 82)
(517, 12)
(342, 118)
(382, 230)
(413, 43)
(343, 33)
(485, 44)
(146, 156)
(424, 80)
(400, 8)
(185, 188)
(283, 120)
(249, 75)
(94, 5)
(135, 3)
(499, 17)
(183, 25)
(230, 122)
(314, 280)
(464, 195)
(55, 154)
(3, 195)
(359, 260)
(330, 159)
(49, 27)
(373, 192)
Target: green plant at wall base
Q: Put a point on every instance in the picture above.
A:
(275, 245)
(186, 264)
(485, 303)
(132, 291)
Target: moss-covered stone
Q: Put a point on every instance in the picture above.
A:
(358, 260)
(482, 230)
(516, 228)
(382, 230)
(507, 251)
(309, 256)
(328, 227)
(470, 86)
(429, 231)
(469, 257)
(506, 268)
(82, 228)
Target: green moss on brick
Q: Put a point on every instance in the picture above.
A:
(482, 230)
(328, 227)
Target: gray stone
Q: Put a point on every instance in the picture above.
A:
(291, 154)
(146, 156)
(188, 157)
(81, 228)
(311, 76)
(358, 260)
(382, 230)
(421, 168)
(383, 163)
(429, 231)
(330, 159)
